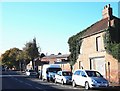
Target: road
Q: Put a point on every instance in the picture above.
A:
(13, 81)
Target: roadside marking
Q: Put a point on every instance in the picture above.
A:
(53, 84)
(12, 75)
(67, 86)
(20, 81)
(28, 84)
(40, 88)
(37, 87)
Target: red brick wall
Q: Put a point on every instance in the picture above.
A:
(88, 50)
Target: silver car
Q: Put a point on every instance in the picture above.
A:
(31, 73)
(89, 79)
(63, 77)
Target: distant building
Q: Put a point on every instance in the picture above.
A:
(61, 59)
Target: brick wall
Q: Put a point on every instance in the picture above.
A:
(88, 50)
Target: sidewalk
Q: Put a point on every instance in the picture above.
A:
(115, 85)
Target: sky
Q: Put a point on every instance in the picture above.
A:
(51, 23)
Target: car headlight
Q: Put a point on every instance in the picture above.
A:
(94, 81)
(64, 78)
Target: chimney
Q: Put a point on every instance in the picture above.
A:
(107, 12)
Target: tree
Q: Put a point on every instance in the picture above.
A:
(31, 51)
(23, 59)
(9, 58)
(59, 53)
(42, 55)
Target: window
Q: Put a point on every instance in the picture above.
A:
(98, 43)
(93, 74)
(67, 73)
(77, 73)
(58, 72)
(79, 64)
(83, 74)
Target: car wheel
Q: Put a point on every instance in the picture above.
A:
(87, 85)
(39, 76)
(62, 82)
(48, 79)
(55, 81)
(73, 84)
(43, 79)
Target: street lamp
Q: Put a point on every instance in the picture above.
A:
(34, 66)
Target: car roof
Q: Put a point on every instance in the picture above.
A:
(65, 71)
(84, 70)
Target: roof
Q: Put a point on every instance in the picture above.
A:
(97, 27)
(63, 56)
(57, 56)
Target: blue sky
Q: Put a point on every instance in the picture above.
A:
(51, 23)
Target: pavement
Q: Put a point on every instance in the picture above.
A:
(115, 85)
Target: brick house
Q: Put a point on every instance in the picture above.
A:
(62, 60)
(93, 55)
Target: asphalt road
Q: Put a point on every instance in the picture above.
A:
(13, 81)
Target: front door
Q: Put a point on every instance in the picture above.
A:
(98, 64)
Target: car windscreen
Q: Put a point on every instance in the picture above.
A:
(93, 74)
(67, 73)
(54, 70)
(31, 71)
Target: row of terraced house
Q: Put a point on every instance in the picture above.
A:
(93, 55)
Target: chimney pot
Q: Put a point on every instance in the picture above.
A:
(107, 12)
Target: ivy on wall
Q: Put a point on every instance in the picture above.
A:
(74, 46)
(112, 46)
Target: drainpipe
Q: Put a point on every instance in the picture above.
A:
(109, 70)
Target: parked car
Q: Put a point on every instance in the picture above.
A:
(49, 71)
(88, 79)
(31, 73)
(63, 77)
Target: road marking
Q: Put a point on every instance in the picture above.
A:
(67, 86)
(40, 88)
(37, 87)
(28, 84)
(20, 81)
(13, 76)
(53, 84)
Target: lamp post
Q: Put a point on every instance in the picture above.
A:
(34, 66)
(20, 65)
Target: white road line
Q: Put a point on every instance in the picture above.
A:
(20, 81)
(40, 88)
(28, 84)
(12, 76)
(16, 79)
(37, 87)
(67, 86)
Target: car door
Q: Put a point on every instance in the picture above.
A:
(83, 78)
(58, 76)
(76, 77)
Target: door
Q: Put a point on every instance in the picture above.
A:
(76, 77)
(58, 76)
(83, 78)
(98, 64)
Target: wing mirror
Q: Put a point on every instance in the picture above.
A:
(84, 76)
